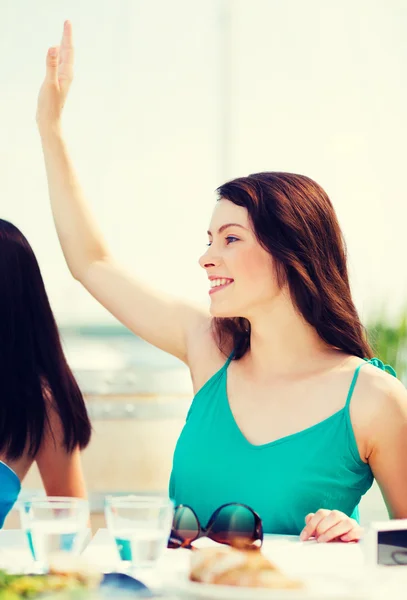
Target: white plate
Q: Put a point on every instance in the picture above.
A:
(317, 588)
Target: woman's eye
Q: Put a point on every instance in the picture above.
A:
(231, 238)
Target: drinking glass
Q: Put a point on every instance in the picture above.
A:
(140, 526)
(53, 525)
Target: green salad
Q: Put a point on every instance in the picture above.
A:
(16, 587)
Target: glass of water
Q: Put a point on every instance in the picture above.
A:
(53, 525)
(140, 526)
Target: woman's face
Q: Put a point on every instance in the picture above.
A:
(240, 271)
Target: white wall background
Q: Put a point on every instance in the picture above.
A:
(171, 98)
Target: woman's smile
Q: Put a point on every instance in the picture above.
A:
(219, 283)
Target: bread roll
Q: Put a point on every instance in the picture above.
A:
(229, 566)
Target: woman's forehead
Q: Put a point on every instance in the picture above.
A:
(227, 212)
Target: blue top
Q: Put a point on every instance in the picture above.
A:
(284, 480)
(10, 487)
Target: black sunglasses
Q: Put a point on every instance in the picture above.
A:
(233, 524)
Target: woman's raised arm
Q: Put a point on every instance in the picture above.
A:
(166, 322)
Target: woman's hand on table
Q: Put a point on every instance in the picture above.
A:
(331, 525)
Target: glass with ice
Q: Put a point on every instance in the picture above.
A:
(54, 525)
(140, 526)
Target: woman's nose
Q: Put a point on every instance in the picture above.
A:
(208, 259)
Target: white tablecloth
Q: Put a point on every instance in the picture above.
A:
(294, 557)
(14, 551)
(335, 560)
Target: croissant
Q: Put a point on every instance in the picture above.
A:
(229, 566)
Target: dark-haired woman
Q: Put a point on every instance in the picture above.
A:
(42, 413)
(291, 414)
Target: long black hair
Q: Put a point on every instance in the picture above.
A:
(34, 374)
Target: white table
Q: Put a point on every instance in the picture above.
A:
(14, 549)
(292, 556)
(287, 551)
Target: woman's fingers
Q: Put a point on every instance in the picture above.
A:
(52, 65)
(342, 528)
(312, 524)
(354, 534)
(333, 518)
(58, 78)
(66, 59)
(329, 525)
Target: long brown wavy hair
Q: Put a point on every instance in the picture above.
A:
(294, 220)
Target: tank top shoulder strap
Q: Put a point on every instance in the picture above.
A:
(229, 360)
(376, 362)
(209, 390)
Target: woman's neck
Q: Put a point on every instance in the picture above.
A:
(283, 343)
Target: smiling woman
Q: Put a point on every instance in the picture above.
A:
(290, 417)
(289, 225)
(236, 257)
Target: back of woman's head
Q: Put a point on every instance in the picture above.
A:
(34, 374)
(294, 220)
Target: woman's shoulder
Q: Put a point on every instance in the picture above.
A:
(205, 355)
(380, 399)
(380, 381)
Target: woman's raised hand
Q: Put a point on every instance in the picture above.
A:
(58, 78)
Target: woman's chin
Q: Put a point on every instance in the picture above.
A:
(221, 312)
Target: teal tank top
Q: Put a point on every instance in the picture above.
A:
(9, 490)
(284, 480)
